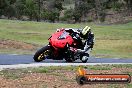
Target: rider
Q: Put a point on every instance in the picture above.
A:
(87, 35)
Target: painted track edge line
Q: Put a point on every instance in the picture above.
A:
(17, 66)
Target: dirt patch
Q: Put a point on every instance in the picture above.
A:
(12, 44)
(59, 79)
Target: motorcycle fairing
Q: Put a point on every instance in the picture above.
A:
(60, 39)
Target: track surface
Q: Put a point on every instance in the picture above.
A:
(28, 59)
(24, 61)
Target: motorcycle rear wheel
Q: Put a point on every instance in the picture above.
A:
(69, 60)
(41, 54)
(69, 57)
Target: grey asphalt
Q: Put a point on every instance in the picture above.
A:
(7, 59)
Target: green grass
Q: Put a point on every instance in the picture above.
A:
(99, 68)
(56, 70)
(52, 69)
(129, 85)
(59, 71)
(11, 74)
(122, 66)
(111, 40)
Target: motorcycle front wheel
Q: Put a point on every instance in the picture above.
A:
(41, 54)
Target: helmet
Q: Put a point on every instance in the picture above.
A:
(85, 30)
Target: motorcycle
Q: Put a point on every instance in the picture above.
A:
(62, 45)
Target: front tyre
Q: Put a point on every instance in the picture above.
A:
(41, 54)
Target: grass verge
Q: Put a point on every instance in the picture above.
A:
(111, 40)
(60, 76)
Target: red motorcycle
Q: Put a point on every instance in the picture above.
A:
(61, 46)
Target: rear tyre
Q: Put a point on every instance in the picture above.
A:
(68, 60)
(69, 56)
(41, 54)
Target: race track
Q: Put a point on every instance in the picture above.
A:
(28, 59)
(20, 61)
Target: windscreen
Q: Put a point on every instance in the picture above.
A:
(63, 35)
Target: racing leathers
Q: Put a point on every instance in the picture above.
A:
(88, 44)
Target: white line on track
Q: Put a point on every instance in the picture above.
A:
(51, 64)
